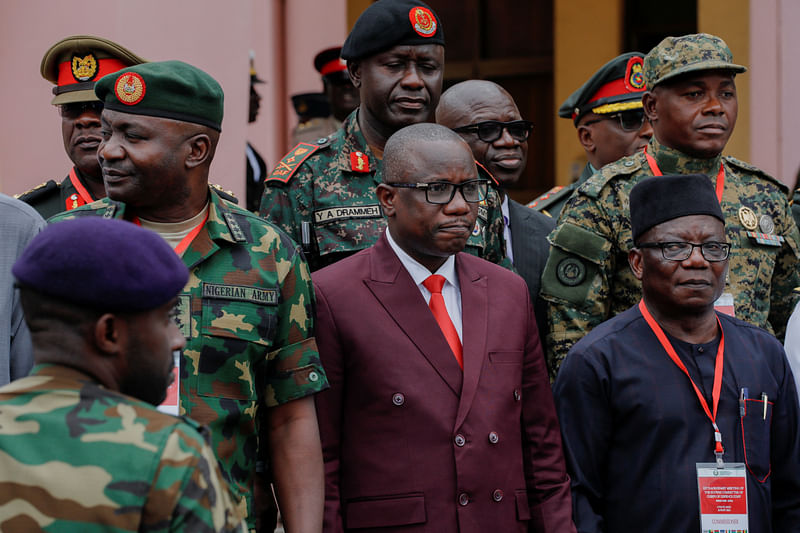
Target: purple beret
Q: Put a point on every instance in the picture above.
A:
(109, 265)
(659, 199)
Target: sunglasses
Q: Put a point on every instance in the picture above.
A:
(76, 109)
(491, 130)
(628, 120)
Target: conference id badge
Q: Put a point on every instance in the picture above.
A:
(723, 497)
(172, 403)
(724, 304)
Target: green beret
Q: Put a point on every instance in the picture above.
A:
(688, 53)
(616, 86)
(167, 89)
(388, 23)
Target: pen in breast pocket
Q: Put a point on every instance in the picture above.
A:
(742, 399)
(764, 400)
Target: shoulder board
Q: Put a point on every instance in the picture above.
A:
(747, 167)
(227, 195)
(797, 290)
(37, 192)
(624, 167)
(292, 161)
(550, 197)
(489, 174)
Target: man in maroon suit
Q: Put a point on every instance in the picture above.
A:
(439, 417)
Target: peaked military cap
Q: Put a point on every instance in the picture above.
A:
(75, 63)
(659, 199)
(688, 53)
(388, 23)
(104, 264)
(329, 61)
(616, 86)
(166, 89)
(311, 105)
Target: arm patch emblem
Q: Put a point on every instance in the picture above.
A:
(291, 161)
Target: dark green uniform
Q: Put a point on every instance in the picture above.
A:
(51, 198)
(587, 279)
(552, 202)
(75, 456)
(247, 315)
(323, 196)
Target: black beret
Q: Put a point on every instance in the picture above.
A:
(105, 264)
(662, 198)
(616, 86)
(388, 23)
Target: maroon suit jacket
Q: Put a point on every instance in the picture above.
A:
(410, 442)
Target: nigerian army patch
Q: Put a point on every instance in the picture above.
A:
(241, 293)
(291, 161)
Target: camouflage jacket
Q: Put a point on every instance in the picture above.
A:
(247, 315)
(75, 456)
(552, 202)
(323, 196)
(587, 278)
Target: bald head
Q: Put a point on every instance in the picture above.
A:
(475, 101)
(403, 147)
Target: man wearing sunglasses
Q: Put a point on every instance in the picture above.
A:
(487, 118)
(691, 103)
(74, 64)
(609, 120)
(439, 416)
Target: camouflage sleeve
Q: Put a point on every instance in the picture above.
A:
(785, 277)
(576, 278)
(189, 478)
(285, 204)
(294, 370)
(491, 246)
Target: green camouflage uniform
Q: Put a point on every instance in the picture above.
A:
(552, 202)
(323, 196)
(587, 279)
(75, 456)
(247, 315)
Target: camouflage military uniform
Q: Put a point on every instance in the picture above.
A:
(796, 207)
(587, 278)
(323, 196)
(75, 456)
(247, 315)
(552, 202)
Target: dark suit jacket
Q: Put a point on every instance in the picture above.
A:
(410, 442)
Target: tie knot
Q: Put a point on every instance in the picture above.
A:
(434, 283)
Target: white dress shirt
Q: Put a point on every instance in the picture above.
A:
(507, 228)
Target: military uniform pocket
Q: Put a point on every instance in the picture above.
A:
(576, 256)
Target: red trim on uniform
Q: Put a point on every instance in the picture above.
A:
(359, 162)
(292, 162)
(83, 195)
(104, 66)
(613, 88)
(336, 65)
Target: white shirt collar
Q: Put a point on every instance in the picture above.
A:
(418, 272)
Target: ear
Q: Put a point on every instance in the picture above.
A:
(586, 139)
(199, 150)
(649, 100)
(354, 70)
(110, 334)
(386, 196)
(636, 261)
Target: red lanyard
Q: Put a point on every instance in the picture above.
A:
(720, 175)
(715, 394)
(186, 241)
(82, 192)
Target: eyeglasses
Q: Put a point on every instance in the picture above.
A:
(628, 120)
(442, 192)
(491, 130)
(76, 109)
(681, 251)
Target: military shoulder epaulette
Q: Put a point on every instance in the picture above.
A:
(738, 163)
(550, 197)
(291, 162)
(37, 192)
(226, 195)
(623, 167)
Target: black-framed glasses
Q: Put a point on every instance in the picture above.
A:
(442, 192)
(491, 130)
(630, 120)
(75, 109)
(681, 251)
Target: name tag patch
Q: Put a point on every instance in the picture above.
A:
(334, 214)
(241, 293)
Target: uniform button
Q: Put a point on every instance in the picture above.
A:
(700, 349)
(313, 376)
(398, 399)
(517, 394)
(497, 495)
(493, 438)
(460, 440)
(628, 163)
(463, 499)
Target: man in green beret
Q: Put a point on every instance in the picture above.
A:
(73, 65)
(692, 104)
(250, 364)
(609, 121)
(323, 193)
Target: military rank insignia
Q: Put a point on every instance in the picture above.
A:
(291, 161)
(74, 201)
(634, 74)
(747, 218)
(359, 162)
(84, 68)
(130, 88)
(423, 21)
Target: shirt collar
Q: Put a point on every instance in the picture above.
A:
(418, 272)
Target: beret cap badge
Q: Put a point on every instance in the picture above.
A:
(423, 21)
(130, 88)
(84, 68)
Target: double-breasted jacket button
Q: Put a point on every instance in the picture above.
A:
(398, 399)
(517, 395)
(497, 495)
(463, 499)
(460, 440)
(493, 437)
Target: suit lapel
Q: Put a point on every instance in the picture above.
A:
(396, 292)
(518, 215)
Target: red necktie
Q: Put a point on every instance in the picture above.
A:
(434, 284)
